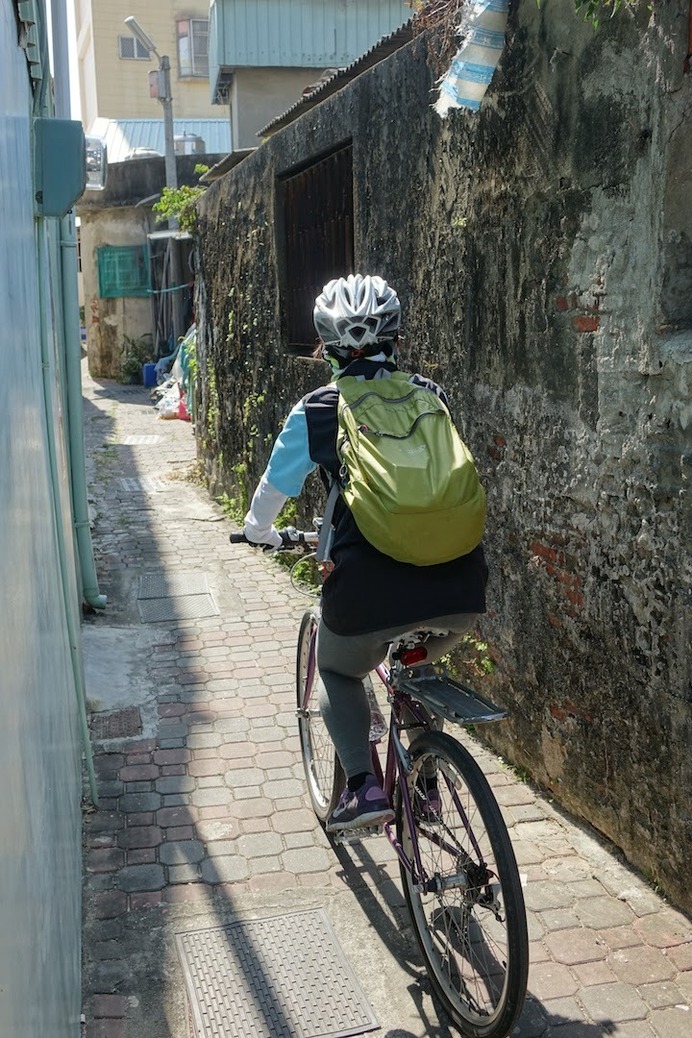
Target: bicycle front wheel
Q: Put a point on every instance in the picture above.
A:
(323, 771)
(467, 906)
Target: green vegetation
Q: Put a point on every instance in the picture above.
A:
(179, 203)
(134, 353)
(471, 657)
(593, 9)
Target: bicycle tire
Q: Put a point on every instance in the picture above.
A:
(323, 772)
(472, 934)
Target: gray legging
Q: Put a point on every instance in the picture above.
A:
(344, 661)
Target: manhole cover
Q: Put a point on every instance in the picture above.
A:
(180, 607)
(120, 724)
(163, 585)
(284, 977)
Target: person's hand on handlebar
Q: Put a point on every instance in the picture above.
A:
(268, 539)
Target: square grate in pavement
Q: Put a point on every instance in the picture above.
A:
(140, 441)
(163, 585)
(281, 977)
(144, 484)
(118, 724)
(177, 607)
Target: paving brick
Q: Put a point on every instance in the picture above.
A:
(104, 859)
(175, 784)
(300, 820)
(105, 822)
(145, 899)
(600, 912)
(137, 802)
(621, 937)
(681, 956)
(140, 818)
(671, 1023)
(573, 946)
(141, 877)
(662, 994)
(307, 860)
(225, 869)
(108, 904)
(175, 816)
(181, 852)
(167, 757)
(559, 919)
(215, 797)
(641, 965)
(140, 836)
(260, 845)
(665, 929)
(617, 1002)
(540, 896)
(551, 980)
(590, 973)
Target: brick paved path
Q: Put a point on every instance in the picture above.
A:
(204, 818)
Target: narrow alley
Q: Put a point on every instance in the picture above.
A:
(206, 874)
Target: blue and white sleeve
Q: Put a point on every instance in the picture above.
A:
(289, 466)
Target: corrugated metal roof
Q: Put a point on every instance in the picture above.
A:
(386, 46)
(296, 33)
(123, 136)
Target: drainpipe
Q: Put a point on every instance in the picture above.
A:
(686, 66)
(71, 347)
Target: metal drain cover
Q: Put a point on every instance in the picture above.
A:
(118, 724)
(177, 607)
(283, 977)
(139, 441)
(163, 585)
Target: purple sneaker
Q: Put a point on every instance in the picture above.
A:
(365, 807)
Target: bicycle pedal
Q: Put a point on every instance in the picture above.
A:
(354, 835)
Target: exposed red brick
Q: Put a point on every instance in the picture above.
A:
(586, 323)
(543, 551)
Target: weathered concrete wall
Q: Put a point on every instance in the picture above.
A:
(543, 253)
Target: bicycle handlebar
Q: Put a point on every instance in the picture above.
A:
(290, 538)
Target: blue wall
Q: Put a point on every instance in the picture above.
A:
(40, 764)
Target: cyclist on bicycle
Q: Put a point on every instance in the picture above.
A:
(368, 599)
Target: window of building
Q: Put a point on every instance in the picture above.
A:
(130, 48)
(316, 218)
(193, 47)
(123, 270)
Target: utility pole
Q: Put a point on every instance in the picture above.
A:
(160, 87)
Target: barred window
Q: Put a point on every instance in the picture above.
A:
(123, 270)
(193, 47)
(130, 48)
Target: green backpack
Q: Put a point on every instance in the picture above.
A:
(407, 477)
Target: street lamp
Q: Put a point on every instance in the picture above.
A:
(163, 92)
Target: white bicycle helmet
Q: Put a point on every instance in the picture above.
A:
(359, 314)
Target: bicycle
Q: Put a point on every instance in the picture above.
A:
(459, 874)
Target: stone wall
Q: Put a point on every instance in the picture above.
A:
(543, 254)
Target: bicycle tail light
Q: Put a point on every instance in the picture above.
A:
(409, 657)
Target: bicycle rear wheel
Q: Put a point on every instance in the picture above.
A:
(469, 914)
(323, 771)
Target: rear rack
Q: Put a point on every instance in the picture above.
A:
(454, 701)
